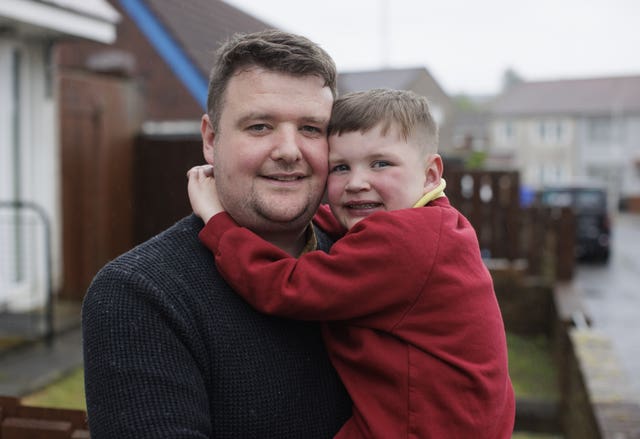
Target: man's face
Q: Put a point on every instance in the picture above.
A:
(270, 150)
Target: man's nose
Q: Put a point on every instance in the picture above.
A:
(286, 146)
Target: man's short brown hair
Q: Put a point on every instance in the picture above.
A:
(273, 50)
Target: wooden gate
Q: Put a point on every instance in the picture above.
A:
(99, 118)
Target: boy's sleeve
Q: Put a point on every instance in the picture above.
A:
(374, 273)
(328, 223)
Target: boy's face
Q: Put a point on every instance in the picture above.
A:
(370, 172)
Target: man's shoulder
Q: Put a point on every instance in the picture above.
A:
(170, 268)
(173, 248)
(183, 233)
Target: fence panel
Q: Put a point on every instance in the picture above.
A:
(542, 237)
(19, 421)
(490, 200)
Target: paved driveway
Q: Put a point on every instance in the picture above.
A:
(612, 295)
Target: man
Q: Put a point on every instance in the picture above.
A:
(170, 350)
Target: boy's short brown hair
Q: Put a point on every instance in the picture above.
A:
(363, 110)
(273, 50)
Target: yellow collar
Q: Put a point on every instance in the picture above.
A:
(312, 240)
(432, 194)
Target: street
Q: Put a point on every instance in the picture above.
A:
(612, 294)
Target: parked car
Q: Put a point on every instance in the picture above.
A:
(593, 223)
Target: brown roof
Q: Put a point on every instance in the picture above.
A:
(196, 26)
(574, 96)
(200, 26)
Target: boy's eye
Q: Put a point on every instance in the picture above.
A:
(339, 168)
(380, 164)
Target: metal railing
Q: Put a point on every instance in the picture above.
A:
(20, 255)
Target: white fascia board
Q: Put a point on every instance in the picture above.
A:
(55, 19)
(97, 8)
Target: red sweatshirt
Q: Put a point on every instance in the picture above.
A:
(414, 329)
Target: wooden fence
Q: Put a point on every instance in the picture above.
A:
(24, 422)
(99, 117)
(541, 237)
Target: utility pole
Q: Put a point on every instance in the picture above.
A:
(385, 33)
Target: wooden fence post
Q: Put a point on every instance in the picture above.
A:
(25, 422)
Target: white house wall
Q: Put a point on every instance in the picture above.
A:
(612, 161)
(6, 156)
(38, 174)
(631, 183)
(30, 28)
(540, 160)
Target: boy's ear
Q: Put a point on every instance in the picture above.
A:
(208, 137)
(433, 172)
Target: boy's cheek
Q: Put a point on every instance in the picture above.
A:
(335, 187)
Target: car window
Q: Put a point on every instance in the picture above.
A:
(589, 200)
(557, 198)
(580, 199)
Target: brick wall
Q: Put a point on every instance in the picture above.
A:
(165, 97)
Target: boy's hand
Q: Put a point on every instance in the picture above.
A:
(203, 194)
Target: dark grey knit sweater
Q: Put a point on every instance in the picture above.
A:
(171, 352)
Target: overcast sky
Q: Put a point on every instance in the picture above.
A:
(468, 44)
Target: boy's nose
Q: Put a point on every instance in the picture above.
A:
(357, 182)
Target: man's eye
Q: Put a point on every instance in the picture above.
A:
(258, 128)
(380, 164)
(311, 130)
(339, 168)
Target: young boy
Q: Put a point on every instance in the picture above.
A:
(413, 326)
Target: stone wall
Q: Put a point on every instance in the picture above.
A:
(595, 401)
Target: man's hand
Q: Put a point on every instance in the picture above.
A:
(203, 194)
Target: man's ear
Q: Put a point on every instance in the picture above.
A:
(432, 172)
(208, 137)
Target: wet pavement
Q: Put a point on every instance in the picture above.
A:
(27, 361)
(611, 293)
(31, 367)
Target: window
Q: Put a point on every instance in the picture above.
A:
(550, 132)
(600, 129)
(505, 132)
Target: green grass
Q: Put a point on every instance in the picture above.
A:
(7, 343)
(533, 374)
(531, 367)
(535, 436)
(68, 393)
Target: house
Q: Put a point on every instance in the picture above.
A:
(130, 119)
(168, 46)
(563, 130)
(29, 146)
(418, 80)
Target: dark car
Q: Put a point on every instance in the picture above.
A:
(593, 224)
